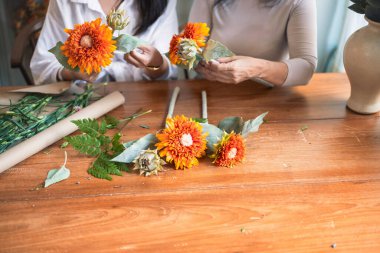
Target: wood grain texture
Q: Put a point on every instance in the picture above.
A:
(298, 191)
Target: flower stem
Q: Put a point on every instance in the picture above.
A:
(173, 100)
(204, 104)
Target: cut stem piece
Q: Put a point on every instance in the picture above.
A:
(204, 105)
(172, 102)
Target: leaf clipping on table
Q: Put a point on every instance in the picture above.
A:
(85, 144)
(230, 124)
(134, 149)
(214, 136)
(215, 50)
(63, 60)
(57, 175)
(127, 43)
(252, 126)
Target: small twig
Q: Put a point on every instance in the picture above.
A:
(204, 104)
(137, 114)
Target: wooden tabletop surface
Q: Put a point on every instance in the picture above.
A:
(316, 190)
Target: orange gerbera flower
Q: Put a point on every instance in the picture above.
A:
(193, 31)
(229, 151)
(197, 32)
(89, 46)
(173, 51)
(182, 141)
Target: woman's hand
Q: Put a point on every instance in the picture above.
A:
(150, 58)
(233, 69)
(237, 69)
(68, 75)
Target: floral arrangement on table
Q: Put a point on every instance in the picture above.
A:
(182, 142)
(91, 45)
(192, 45)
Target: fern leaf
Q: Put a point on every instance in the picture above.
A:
(111, 121)
(85, 144)
(98, 173)
(103, 127)
(104, 141)
(123, 167)
(117, 147)
(88, 126)
(108, 166)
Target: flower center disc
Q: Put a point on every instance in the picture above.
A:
(186, 140)
(232, 153)
(86, 41)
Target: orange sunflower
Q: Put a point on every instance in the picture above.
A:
(197, 32)
(182, 141)
(229, 151)
(89, 46)
(193, 31)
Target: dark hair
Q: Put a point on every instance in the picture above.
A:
(266, 3)
(150, 11)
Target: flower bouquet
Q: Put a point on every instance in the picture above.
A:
(91, 45)
(184, 140)
(192, 45)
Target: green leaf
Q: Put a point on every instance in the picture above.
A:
(127, 43)
(117, 147)
(110, 167)
(230, 124)
(123, 167)
(64, 144)
(104, 141)
(215, 50)
(358, 8)
(130, 153)
(214, 136)
(253, 125)
(144, 126)
(88, 126)
(85, 144)
(200, 120)
(57, 175)
(103, 127)
(111, 121)
(63, 60)
(99, 173)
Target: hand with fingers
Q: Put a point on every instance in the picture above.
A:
(149, 58)
(235, 69)
(68, 75)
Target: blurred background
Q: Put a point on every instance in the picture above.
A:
(335, 24)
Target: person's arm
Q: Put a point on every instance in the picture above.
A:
(43, 65)
(201, 11)
(298, 70)
(150, 59)
(302, 40)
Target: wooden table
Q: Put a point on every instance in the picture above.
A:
(316, 190)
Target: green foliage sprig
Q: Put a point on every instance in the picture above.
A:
(94, 141)
(28, 117)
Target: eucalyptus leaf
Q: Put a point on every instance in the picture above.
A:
(214, 136)
(215, 50)
(230, 124)
(57, 175)
(252, 126)
(128, 144)
(134, 149)
(63, 60)
(127, 43)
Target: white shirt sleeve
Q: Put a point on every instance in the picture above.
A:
(158, 35)
(44, 65)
